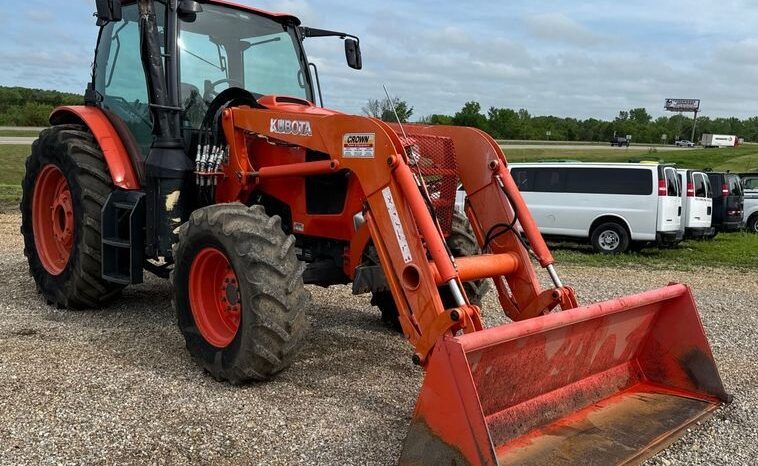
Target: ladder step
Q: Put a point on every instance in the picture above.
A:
(119, 279)
(123, 205)
(118, 243)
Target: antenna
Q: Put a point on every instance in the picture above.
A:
(394, 110)
(425, 194)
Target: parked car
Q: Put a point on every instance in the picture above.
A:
(613, 205)
(684, 143)
(619, 141)
(728, 201)
(697, 204)
(750, 208)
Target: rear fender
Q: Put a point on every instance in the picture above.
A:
(600, 219)
(120, 164)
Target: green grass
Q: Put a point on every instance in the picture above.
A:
(740, 159)
(18, 133)
(735, 250)
(12, 159)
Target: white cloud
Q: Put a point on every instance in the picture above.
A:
(558, 28)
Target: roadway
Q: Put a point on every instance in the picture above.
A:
(7, 140)
(571, 146)
(504, 144)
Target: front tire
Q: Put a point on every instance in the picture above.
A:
(610, 238)
(238, 292)
(64, 189)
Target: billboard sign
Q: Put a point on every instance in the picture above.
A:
(682, 105)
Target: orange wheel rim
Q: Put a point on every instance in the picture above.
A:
(215, 298)
(53, 219)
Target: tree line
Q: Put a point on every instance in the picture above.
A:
(506, 123)
(20, 106)
(31, 107)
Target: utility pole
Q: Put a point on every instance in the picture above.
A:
(694, 124)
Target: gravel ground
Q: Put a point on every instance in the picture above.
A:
(117, 386)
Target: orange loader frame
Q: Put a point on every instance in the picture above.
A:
(520, 393)
(409, 243)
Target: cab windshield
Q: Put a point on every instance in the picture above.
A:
(225, 47)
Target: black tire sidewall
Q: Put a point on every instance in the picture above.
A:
(624, 239)
(44, 153)
(196, 344)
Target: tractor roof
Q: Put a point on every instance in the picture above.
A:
(270, 14)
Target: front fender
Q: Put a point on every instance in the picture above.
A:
(120, 165)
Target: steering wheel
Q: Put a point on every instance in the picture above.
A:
(209, 93)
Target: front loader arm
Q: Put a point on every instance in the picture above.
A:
(408, 240)
(493, 198)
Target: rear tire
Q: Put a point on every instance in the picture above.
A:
(66, 173)
(233, 259)
(610, 238)
(462, 243)
(752, 224)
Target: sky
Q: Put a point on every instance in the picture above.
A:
(566, 58)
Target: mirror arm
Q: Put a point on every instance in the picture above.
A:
(313, 32)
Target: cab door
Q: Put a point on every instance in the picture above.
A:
(120, 77)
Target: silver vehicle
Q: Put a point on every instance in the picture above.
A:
(750, 211)
(684, 143)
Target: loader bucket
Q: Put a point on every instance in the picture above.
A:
(611, 383)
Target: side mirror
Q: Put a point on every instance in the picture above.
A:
(188, 10)
(353, 54)
(108, 11)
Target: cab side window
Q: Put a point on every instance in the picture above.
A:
(120, 78)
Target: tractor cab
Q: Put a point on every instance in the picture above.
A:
(218, 47)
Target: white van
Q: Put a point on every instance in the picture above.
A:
(614, 205)
(697, 204)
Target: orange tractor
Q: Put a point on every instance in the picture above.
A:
(200, 155)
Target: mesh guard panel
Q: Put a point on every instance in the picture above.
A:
(438, 168)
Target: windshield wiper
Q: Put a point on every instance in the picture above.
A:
(220, 68)
(249, 45)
